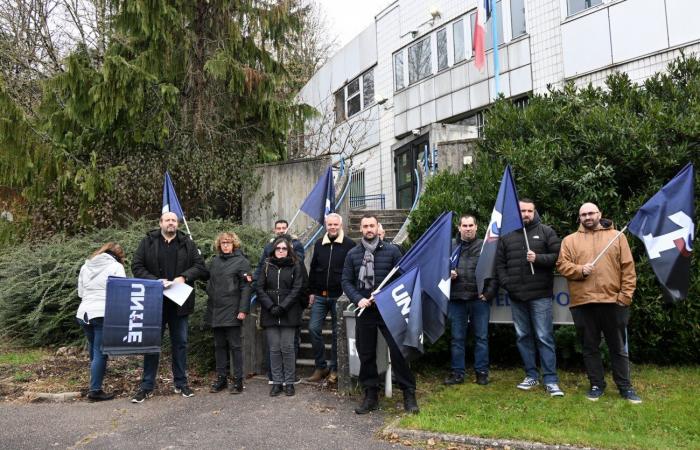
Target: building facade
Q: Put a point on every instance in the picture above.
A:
(406, 89)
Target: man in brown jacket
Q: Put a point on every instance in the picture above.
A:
(600, 297)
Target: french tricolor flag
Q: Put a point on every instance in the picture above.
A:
(483, 12)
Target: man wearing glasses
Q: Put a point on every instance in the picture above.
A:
(600, 294)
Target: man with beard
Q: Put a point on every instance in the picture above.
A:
(169, 255)
(600, 297)
(325, 286)
(365, 268)
(469, 307)
(528, 277)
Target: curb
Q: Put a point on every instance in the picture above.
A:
(36, 397)
(477, 442)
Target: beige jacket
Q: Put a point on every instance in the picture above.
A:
(614, 278)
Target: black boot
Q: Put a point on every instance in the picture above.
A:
(482, 378)
(409, 401)
(236, 387)
(276, 390)
(220, 384)
(370, 402)
(289, 390)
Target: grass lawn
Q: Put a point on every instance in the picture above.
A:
(668, 418)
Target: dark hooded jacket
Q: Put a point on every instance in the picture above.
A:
(189, 265)
(514, 274)
(281, 282)
(228, 289)
(464, 286)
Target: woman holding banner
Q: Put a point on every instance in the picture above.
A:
(92, 289)
(227, 307)
(280, 286)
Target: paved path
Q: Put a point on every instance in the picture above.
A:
(312, 419)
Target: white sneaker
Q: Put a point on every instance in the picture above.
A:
(553, 390)
(528, 383)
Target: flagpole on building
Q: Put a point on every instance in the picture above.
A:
(496, 62)
(619, 233)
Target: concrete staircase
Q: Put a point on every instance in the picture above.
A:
(391, 220)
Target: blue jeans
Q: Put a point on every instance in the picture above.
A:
(461, 314)
(98, 360)
(178, 342)
(319, 310)
(535, 332)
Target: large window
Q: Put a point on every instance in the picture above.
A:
(458, 38)
(489, 27)
(419, 62)
(398, 71)
(576, 6)
(441, 37)
(354, 96)
(517, 17)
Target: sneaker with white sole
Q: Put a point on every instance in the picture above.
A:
(185, 391)
(594, 393)
(528, 383)
(141, 395)
(631, 396)
(553, 390)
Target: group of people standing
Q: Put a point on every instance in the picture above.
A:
(600, 297)
(600, 294)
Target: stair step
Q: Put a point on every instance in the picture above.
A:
(306, 362)
(324, 331)
(307, 345)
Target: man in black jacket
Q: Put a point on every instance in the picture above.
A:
(365, 268)
(325, 286)
(172, 257)
(468, 306)
(528, 277)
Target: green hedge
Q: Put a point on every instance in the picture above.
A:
(38, 282)
(615, 147)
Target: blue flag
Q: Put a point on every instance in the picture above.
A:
(400, 305)
(454, 257)
(665, 223)
(170, 201)
(133, 315)
(321, 200)
(504, 219)
(432, 254)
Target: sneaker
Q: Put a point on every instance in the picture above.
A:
(553, 390)
(141, 395)
(99, 396)
(528, 383)
(236, 387)
(482, 378)
(185, 391)
(594, 393)
(631, 396)
(454, 378)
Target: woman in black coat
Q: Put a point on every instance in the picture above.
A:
(228, 304)
(280, 287)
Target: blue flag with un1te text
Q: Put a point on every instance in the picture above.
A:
(505, 218)
(133, 315)
(400, 304)
(665, 223)
(321, 200)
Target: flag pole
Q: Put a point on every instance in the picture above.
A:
(289, 227)
(619, 233)
(527, 245)
(187, 227)
(384, 281)
(387, 376)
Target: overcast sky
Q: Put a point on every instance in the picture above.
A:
(348, 18)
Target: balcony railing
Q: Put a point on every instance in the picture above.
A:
(374, 201)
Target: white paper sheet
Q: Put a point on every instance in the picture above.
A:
(178, 292)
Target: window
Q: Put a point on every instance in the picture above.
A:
(398, 71)
(489, 27)
(441, 36)
(576, 6)
(368, 88)
(419, 64)
(354, 96)
(458, 38)
(517, 17)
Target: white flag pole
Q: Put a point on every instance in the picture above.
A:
(387, 377)
(384, 281)
(619, 233)
(527, 245)
(289, 227)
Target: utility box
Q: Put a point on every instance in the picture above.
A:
(353, 358)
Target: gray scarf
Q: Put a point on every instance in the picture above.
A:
(366, 275)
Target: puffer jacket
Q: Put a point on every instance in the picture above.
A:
(386, 257)
(281, 282)
(513, 270)
(228, 289)
(464, 286)
(614, 278)
(92, 284)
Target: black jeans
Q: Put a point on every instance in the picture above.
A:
(611, 319)
(366, 341)
(225, 339)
